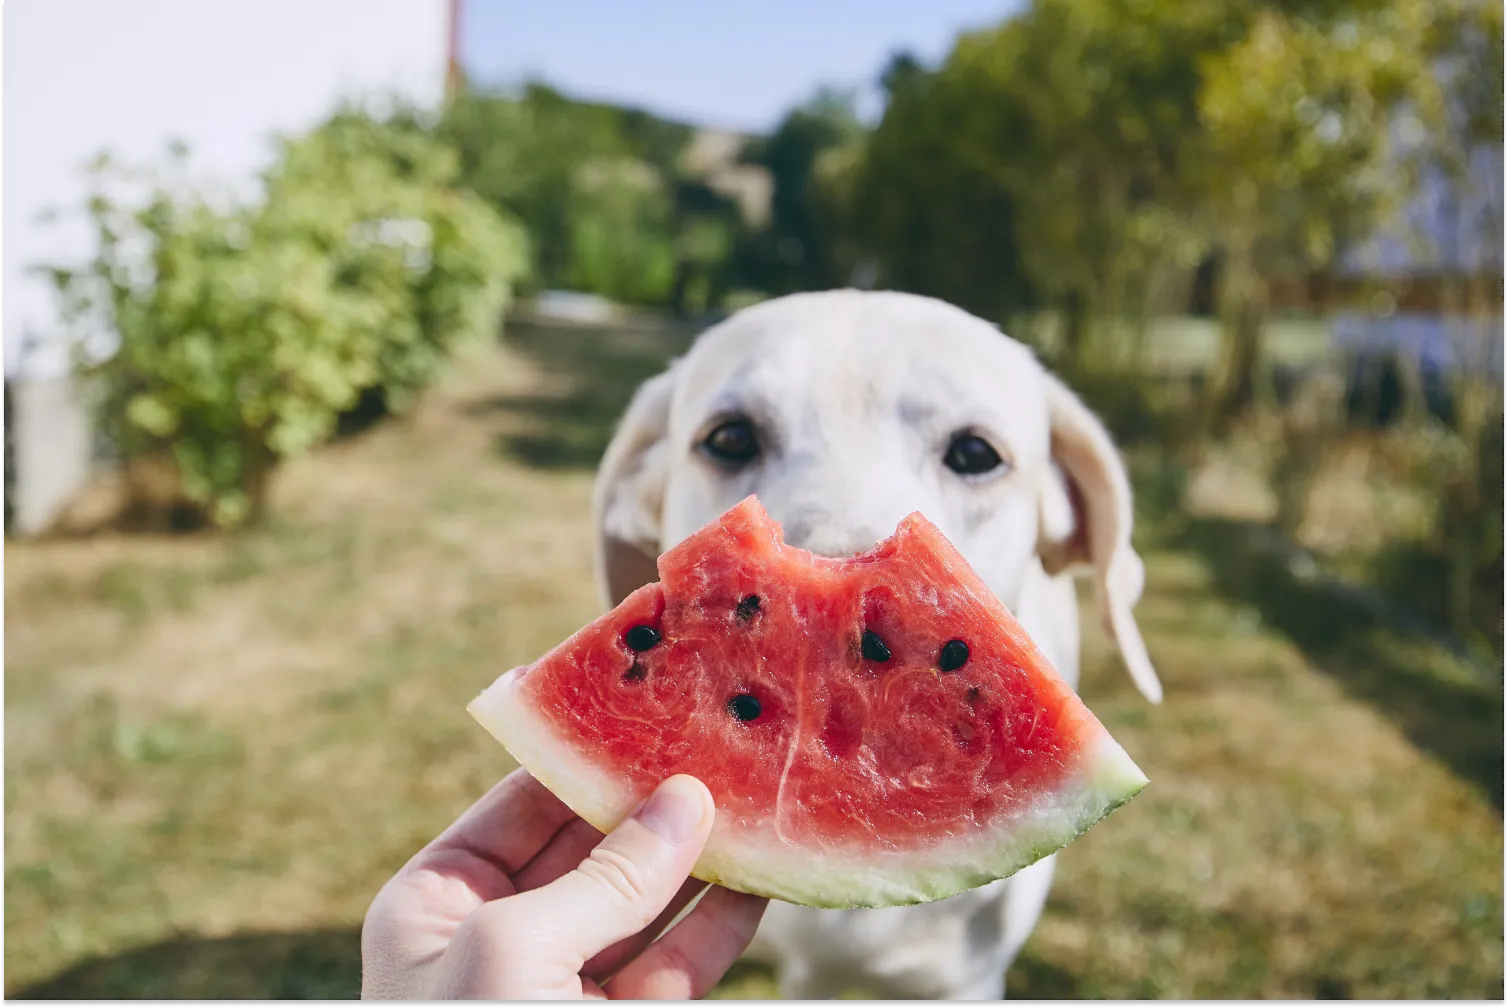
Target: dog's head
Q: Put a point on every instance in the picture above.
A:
(845, 411)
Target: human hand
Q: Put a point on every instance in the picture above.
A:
(520, 899)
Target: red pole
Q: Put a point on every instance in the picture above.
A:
(453, 51)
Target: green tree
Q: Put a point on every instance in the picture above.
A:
(1467, 452)
(1312, 128)
(523, 155)
(1087, 102)
(599, 187)
(1117, 142)
(934, 215)
(621, 243)
(798, 250)
(709, 227)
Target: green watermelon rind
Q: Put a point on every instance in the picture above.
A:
(765, 864)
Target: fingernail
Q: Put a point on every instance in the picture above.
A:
(675, 810)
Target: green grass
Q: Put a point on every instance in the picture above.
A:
(218, 749)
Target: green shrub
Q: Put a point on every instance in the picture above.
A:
(244, 329)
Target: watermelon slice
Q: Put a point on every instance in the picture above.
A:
(876, 730)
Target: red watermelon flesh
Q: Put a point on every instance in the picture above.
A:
(876, 730)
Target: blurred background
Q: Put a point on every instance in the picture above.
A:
(319, 315)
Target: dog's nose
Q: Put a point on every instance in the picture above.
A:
(831, 537)
(836, 551)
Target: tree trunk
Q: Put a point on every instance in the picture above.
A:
(1075, 327)
(1463, 572)
(679, 287)
(1463, 503)
(256, 477)
(1243, 317)
(1291, 478)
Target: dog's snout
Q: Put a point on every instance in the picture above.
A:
(837, 546)
(832, 535)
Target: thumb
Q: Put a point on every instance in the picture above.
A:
(631, 876)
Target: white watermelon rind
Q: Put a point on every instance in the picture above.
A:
(762, 863)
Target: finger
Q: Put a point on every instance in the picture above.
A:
(418, 912)
(566, 849)
(623, 884)
(611, 959)
(693, 957)
(496, 836)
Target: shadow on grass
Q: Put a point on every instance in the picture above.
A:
(326, 965)
(1460, 722)
(1033, 979)
(322, 965)
(596, 370)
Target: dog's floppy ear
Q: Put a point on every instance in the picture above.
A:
(1086, 523)
(629, 496)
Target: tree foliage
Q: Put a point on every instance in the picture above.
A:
(935, 219)
(1086, 155)
(620, 232)
(244, 328)
(602, 191)
(802, 247)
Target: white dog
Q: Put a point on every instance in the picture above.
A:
(845, 411)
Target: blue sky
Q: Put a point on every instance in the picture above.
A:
(735, 64)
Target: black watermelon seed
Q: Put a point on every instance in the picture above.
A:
(873, 648)
(745, 707)
(973, 695)
(635, 673)
(642, 638)
(747, 608)
(953, 655)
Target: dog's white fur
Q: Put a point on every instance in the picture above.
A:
(856, 397)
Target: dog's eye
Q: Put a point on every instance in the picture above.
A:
(971, 455)
(732, 442)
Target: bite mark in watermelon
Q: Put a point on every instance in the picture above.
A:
(876, 730)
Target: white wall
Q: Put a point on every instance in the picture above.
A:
(81, 76)
(128, 75)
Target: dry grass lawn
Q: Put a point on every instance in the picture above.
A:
(217, 749)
